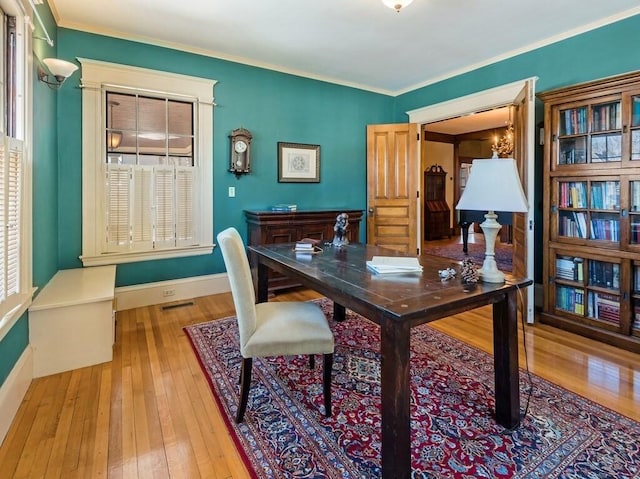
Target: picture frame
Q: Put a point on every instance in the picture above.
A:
(298, 163)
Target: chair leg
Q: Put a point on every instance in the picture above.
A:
(312, 361)
(245, 375)
(326, 386)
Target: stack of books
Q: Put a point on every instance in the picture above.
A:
(284, 207)
(308, 246)
(394, 264)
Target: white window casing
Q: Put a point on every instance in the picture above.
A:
(16, 287)
(141, 212)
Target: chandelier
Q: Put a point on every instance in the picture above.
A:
(397, 5)
(504, 146)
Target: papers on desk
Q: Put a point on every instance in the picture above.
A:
(394, 265)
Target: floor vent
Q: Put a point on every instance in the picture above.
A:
(178, 305)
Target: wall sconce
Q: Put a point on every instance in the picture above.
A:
(114, 137)
(60, 70)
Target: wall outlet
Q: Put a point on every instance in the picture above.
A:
(232, 192)
(168, 292)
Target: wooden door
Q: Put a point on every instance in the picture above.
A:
(522, 232)
(392, 186)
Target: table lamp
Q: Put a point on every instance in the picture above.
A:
(493, 185)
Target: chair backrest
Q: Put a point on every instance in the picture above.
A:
(239, 272)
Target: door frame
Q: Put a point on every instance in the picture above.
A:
(485, 100)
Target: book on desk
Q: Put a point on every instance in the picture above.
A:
(394, 265)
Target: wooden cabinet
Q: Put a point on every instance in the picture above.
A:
(268, 227)
(437, 215)
(591, 233)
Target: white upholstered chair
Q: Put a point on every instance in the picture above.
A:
(272, 328)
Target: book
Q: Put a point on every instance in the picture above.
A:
(284, 207)
(394, 264)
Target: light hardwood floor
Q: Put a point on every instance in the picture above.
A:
(150, 412)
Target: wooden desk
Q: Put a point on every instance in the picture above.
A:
(397, 306)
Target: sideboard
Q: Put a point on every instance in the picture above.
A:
(268, 227)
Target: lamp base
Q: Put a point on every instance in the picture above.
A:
(489, 273)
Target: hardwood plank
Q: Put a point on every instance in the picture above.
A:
(65, 414)
(152, 400)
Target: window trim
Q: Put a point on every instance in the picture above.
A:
(24, 132)
(98, 76)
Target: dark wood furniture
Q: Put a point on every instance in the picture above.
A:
(592, 210)
(271, 227)
(397, 306)
(437, 215)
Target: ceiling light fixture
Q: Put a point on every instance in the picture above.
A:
(60, 70)
(397, 5)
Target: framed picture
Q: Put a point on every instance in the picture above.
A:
(298, 163)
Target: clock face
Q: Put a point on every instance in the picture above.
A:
(240, 146)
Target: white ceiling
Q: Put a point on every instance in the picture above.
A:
(359, 43)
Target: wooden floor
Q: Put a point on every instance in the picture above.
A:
(150, 412)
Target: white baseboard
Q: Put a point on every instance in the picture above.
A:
(14, 389)
(128, 297)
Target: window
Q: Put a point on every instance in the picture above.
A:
(147, 164)
(15, 188)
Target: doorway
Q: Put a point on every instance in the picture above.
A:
(521, 95)
(451, 145)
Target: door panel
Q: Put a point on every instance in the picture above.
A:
(392, 186)
(522, 234)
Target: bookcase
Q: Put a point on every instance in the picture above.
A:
(591, 194)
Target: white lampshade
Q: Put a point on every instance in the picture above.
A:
(493, 185)
(60, 69)
(397, 5)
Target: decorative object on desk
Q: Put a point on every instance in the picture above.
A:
(468, 274)
(298, 163)
(240, 160)
(502, 253)
(493, 185)
(447, 274)
(340, 230)
(454, 433)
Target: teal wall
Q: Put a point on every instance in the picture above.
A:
(12, 346)
(599, 53)
(273, 106)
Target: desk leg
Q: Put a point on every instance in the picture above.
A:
(263, 283)
(396, 412)
(338, 312)
(505, 358)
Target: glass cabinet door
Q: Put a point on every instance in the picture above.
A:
(635, 128)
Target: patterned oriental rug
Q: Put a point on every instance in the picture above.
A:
(503, 253)
(285, 434)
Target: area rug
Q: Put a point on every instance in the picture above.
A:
(285, 434)
(476, 251)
